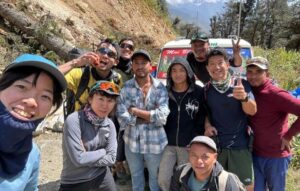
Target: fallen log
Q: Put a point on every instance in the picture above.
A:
(31, 28)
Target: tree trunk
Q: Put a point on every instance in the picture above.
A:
(30, 27)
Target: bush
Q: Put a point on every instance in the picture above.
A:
(284, 66)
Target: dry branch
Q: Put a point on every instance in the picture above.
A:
(30, 27)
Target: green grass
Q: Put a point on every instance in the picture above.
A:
(284, 66)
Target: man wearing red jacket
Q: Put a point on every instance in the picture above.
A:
(272, 136)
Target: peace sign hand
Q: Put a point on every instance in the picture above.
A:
(236, 46)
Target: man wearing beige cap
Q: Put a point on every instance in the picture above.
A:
(272, 135)
(203, 172)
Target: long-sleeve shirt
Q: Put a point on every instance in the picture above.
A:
(144, 137)
(87, 150)
(270, 123)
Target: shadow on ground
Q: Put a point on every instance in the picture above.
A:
(50, 186)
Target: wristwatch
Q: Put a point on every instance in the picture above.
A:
(245, 99)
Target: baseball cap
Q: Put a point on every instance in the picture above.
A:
(204, 140)
(199, 36)
(107, 87)
(38, 61)
(142, 53)
(258, 61)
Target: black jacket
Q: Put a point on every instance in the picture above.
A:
(186, 118)
(182, 174)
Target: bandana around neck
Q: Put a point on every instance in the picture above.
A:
(92, 117)
(222, 86)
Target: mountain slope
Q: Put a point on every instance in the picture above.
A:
(85, 22)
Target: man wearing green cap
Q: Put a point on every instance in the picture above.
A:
(197, 58)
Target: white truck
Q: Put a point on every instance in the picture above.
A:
(180, 48)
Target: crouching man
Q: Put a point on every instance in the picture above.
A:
(203, 172)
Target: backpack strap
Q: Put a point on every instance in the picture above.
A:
(83, 84)
(222, 179)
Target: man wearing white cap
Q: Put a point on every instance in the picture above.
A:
(203, 172)
(272, 135)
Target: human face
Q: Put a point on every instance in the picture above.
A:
(106, 62)
(101, 104)
(202, 159)
(200, 49)
(141, 66)
(256, 76)
(178, 74)
(217, 68)
(27, 101)
(127, 49)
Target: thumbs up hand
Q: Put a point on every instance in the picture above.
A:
(239, 92)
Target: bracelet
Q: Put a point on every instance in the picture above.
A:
(245, 99)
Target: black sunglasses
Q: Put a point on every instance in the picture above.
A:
(129, 46)
(107, 51)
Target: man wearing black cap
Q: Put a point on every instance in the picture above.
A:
(142, 111)
(197, 58)
(203, 172)
(272, 142)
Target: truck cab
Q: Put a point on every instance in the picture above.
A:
(181, 47)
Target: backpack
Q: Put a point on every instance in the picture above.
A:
(71, 98)
(223, 177)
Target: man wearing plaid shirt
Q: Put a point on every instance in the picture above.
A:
(142, 111)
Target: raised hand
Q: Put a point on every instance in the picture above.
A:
(89, 58)
(236, 46)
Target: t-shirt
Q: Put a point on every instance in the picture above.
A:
(228, 117)
(194, 184)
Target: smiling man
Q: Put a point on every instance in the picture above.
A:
(272, 142)
(203, 172)
(230, 101)
(197, 58)
(97, 65)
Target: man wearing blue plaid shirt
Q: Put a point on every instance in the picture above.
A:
(142, 111)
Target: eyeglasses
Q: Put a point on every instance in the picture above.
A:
(107, 51)
(106, 86)
(129, 46)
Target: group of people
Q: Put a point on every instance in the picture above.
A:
(231, 134)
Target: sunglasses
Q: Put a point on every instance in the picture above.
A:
(110, 53)
(129, 46)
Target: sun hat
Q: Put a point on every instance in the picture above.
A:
(38, 62)
(107, 87)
